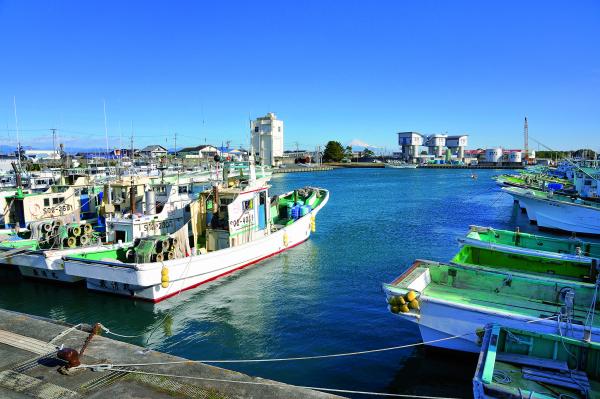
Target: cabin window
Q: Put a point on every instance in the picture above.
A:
(46, 202)
(55, 200)
(183, 189)
(120, 236)
(247, 205)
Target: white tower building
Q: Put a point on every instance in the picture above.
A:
(457, 145)
(436, 144)
(267, 138)
(409, 143)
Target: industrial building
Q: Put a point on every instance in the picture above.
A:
(418, 148)
(498, 156)
(267, 138)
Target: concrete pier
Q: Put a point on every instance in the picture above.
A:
(29, 368)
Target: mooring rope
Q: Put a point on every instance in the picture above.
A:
(109, 366)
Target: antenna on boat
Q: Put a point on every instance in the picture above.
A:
(105, 131)
(132, 188)
(252, 171)
(106, 137)
(18, 136)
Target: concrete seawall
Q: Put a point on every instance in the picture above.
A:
(29, 368)
(302, 169)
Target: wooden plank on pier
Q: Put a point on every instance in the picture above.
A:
(26, 343)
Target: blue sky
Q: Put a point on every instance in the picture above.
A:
(331, 70)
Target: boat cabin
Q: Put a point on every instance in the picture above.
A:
(159, 209)
(26, 208)
(587, 182)
(234, 212)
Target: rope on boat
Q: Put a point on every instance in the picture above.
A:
(108, 366)
(108, 331)
(283, 386)
(167, 315)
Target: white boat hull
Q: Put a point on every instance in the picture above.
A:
(452, 326)
(143, 281)
(45, 264)
(408, 166)
(560, 215)
(566, 217)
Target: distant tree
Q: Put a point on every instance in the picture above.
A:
(368, 153)
(552, 154)
(334, 152)
(348, 152)
(585, 153)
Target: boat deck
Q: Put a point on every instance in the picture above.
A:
(517, 379)
(491, 290)
(511, 304)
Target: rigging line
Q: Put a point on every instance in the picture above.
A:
(346, 354)
(284, 386)
(565, 159)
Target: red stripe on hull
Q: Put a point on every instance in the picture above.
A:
(156, 300)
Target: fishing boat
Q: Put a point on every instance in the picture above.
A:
(517, 363)
(536, 181)
(400, 165)
(529, 253)
(130, 209)
(451, 303)
(233, 225)
(558, 212)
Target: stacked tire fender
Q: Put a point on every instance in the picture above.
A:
(46, 232)
(77, 235)
(54, 234)
(154, 249)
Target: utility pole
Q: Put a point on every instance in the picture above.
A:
(526, 137)
(54, 141)
(18, 137)
(106, 133)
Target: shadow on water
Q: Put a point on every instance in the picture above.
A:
(435, 372)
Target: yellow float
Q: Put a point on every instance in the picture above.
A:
(164, 277)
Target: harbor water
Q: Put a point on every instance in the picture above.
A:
(321, 297)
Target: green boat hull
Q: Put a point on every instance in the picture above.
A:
(529, 253)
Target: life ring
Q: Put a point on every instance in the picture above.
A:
(36, 210)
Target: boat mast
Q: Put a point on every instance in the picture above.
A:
(106, 136)
(132, 188)
(18, 136)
